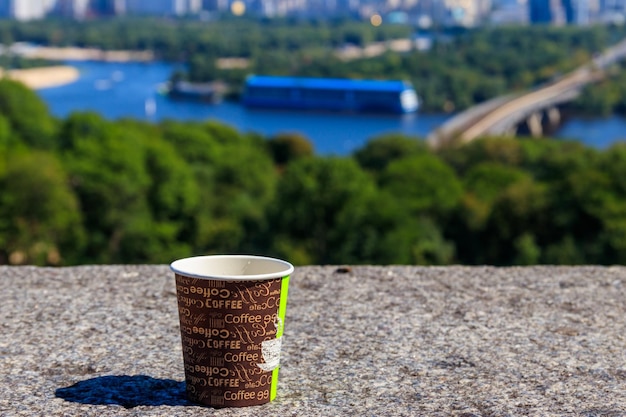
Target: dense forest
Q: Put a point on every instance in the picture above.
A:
(90, 190)
(461, 68)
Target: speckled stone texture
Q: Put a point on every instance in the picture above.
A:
(371, 341)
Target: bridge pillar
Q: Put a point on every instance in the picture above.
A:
(534, 125)
(553, 118)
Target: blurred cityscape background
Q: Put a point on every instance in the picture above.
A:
(425, 13)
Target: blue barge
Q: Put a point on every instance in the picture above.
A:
(335, 94)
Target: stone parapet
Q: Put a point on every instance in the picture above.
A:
(361, 340)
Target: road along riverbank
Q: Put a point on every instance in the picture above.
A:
(81, 54)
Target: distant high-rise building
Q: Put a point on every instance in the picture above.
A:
(4, 9)
(509, 12)
(612, 5)
(24, 9)
(49, 5)
(569, 9)
(466, 13)
(75, 9)
(581, 12)
(612, 11)
(559, 11)
(163, 7)
(217, 5)
(108, 7)
(345, 7)
(158, 7)
(540, 11)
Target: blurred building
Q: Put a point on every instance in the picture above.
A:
(612, 11)
(25, 9)
(613, 5)
(540, 11)
(466, 13)
(108, 7)
(509, 12)
(152, 7)
(215, 5)
(577, 12)
(163, 7)
(81, 9)
(424, 13)
(74, 9)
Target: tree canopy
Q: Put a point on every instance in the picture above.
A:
(91, 190)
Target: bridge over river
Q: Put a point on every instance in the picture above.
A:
(535, 109)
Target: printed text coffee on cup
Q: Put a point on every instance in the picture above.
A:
(232, 312)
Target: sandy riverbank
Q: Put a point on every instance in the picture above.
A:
(45, 77)
(54, 76)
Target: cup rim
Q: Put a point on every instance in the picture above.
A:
(178, 267)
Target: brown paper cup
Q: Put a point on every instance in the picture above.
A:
(232, 312)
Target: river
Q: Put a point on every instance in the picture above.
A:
(118, 90)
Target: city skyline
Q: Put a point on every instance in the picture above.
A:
(468, 13)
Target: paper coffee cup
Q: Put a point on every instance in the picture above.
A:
(232, 312)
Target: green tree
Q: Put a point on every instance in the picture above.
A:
(166, 229)
(483, 184)
(27, 115)
(567, 170)
(106, 168)
(236, 180)
(424, 184)
(424, 191)
(40, 220)
(7, 142)
(380, 151)
(518, 215)
(414, 240)
(286, 147)
(501, 150)
(602, 208)
(321, 211)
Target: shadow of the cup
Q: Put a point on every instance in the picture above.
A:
(127, 391)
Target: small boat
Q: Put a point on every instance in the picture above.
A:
(150, 107)
(102, 85)
(117, 76)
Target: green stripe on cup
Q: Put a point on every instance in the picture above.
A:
(282, 308)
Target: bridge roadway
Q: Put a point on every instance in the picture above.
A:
(500, 115)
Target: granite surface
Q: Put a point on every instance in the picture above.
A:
(362, 341)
